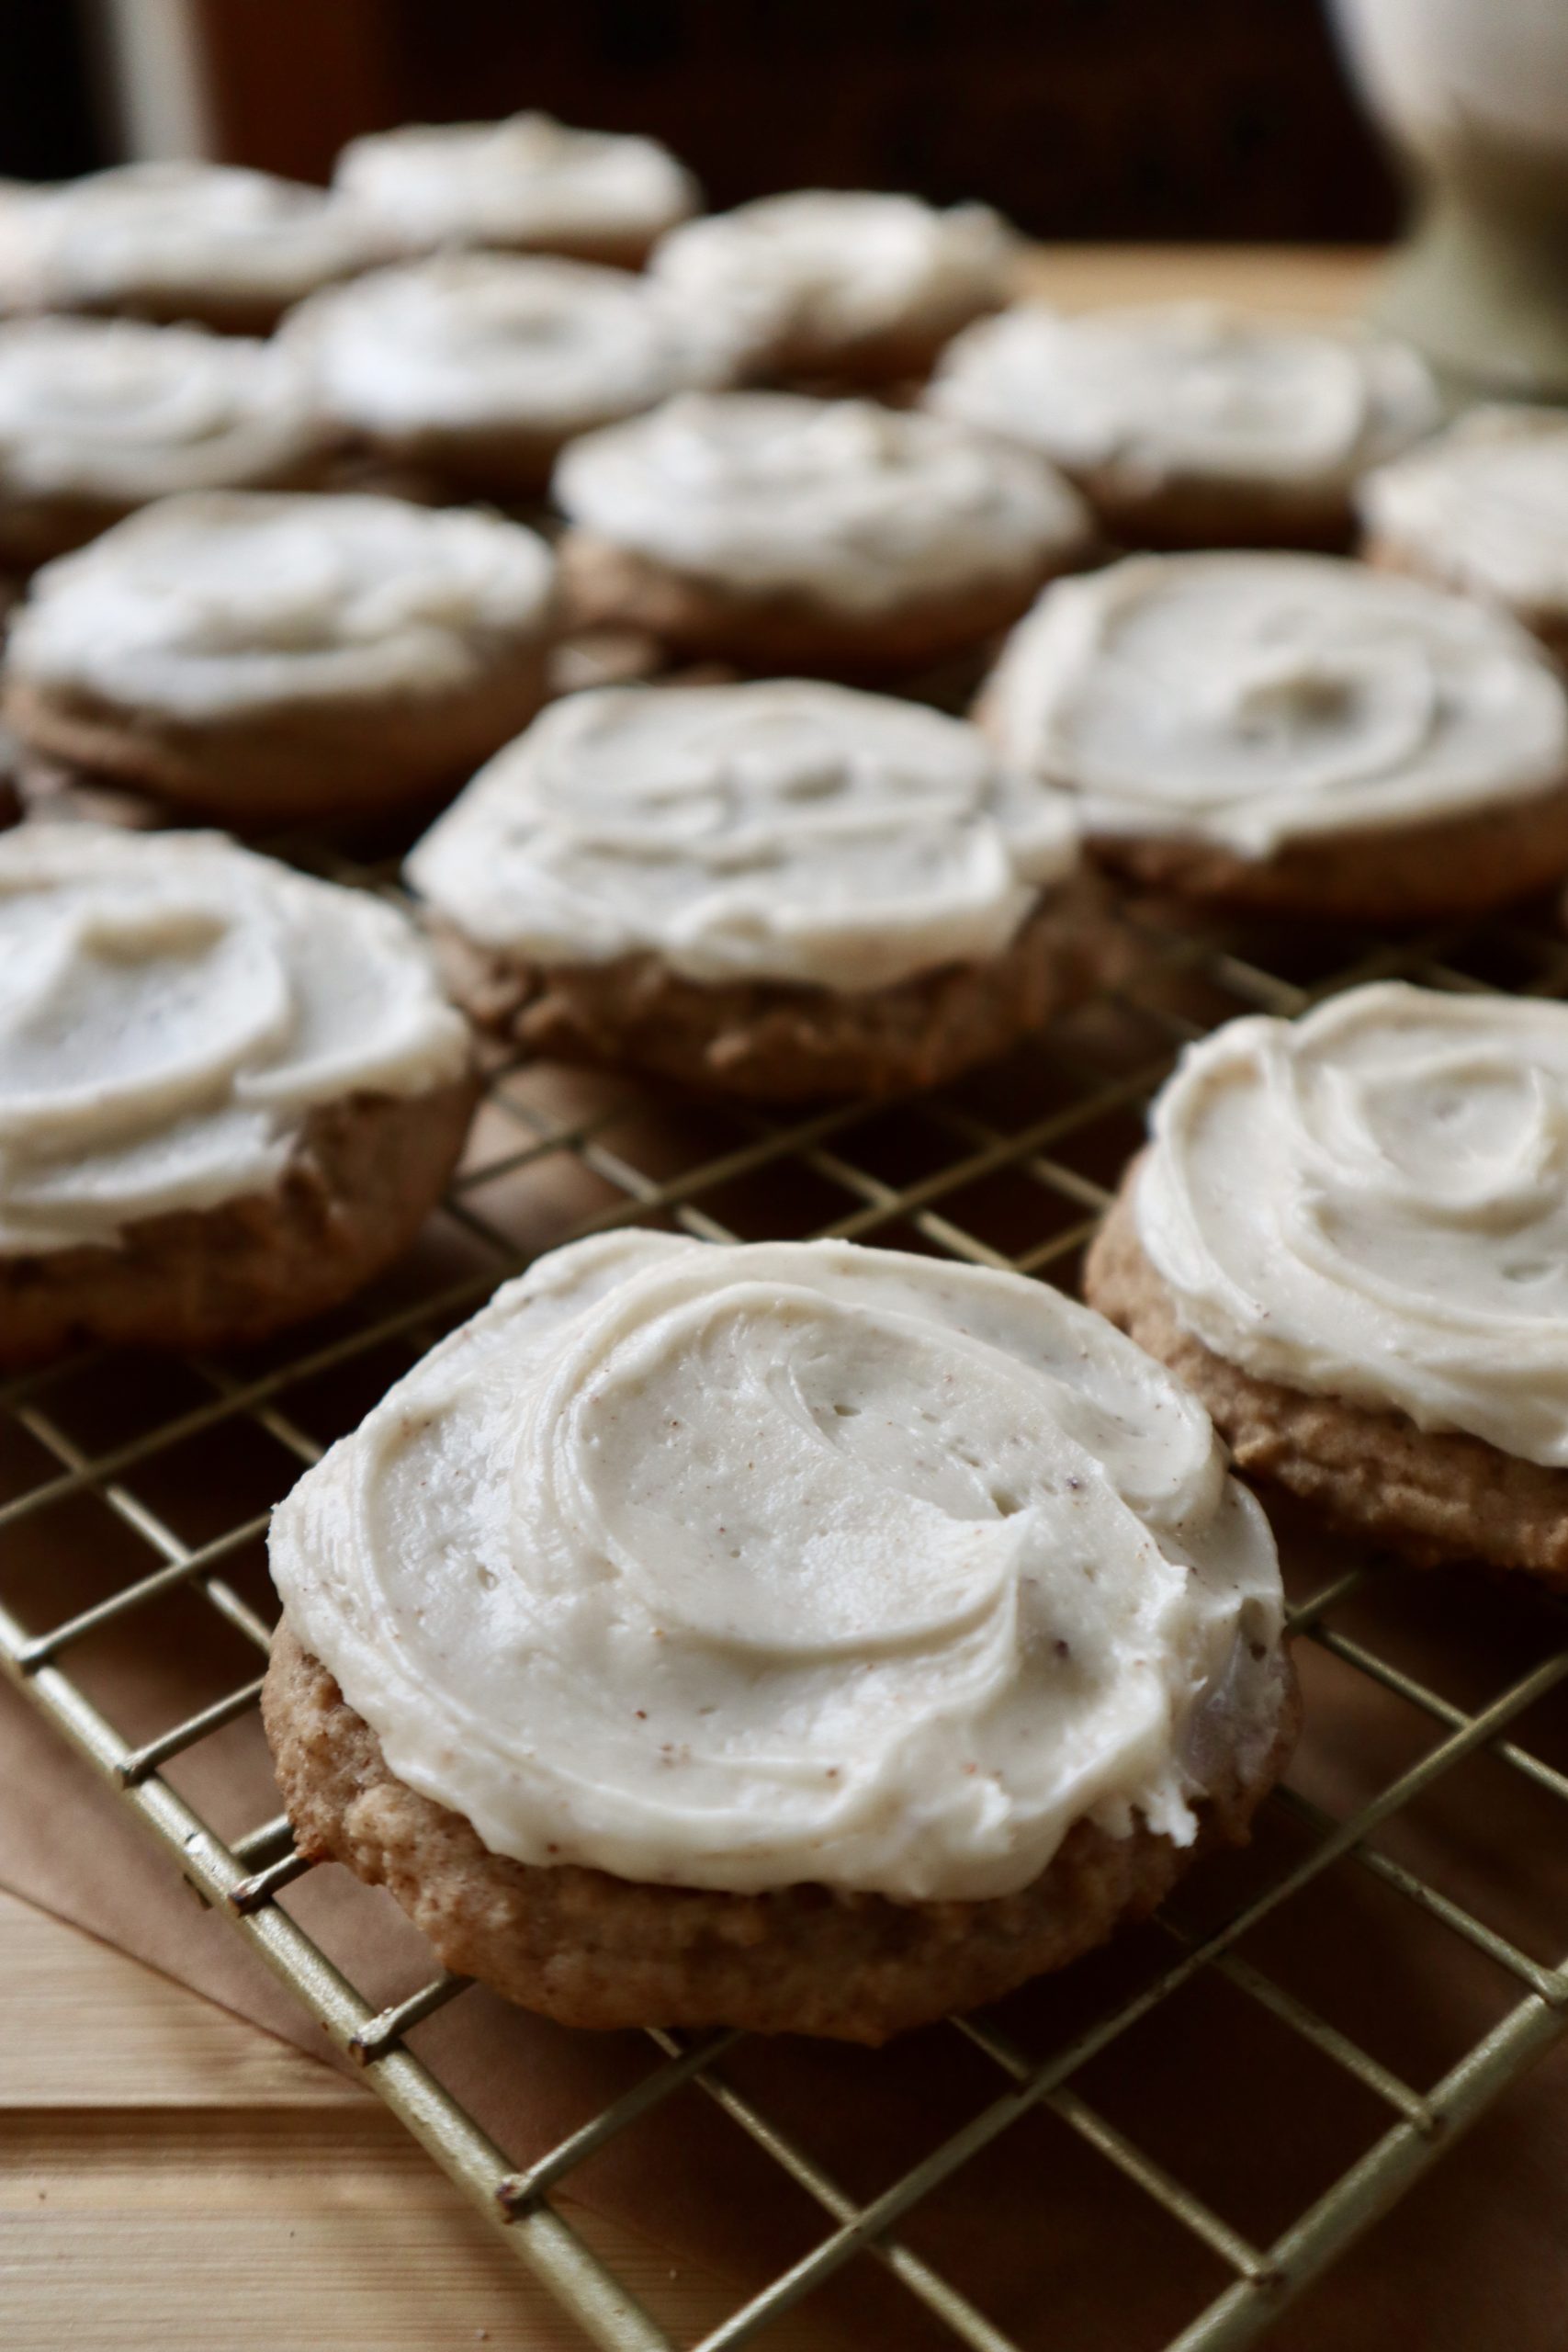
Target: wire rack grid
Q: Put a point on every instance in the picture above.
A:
(1011, 1170)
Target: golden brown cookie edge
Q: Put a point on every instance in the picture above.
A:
(590, 1950)
(1432, 1496)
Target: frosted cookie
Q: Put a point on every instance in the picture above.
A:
(784, 533)
(229, 1093)
(1189, 426)
(795, 1636)
(481, 367)
(210, 241)
(528, 185)
(1292, 732)
(1484, 508)
(781, 889)
(99, 416)
(844, 284)
(266, 657)
(1349, 1236)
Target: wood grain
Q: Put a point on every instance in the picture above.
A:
(170, 2176)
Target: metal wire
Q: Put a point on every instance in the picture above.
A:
(971, 1173)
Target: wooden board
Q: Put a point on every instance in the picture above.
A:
(171, 2177)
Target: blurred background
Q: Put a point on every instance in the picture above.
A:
(1144, 119)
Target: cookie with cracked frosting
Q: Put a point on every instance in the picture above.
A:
(789, 1635)
(1349, 1236)
(1293, 733)
(839, 285)
(781, 889)
(1188, 425)
(215, 243)
(1483, 508)
(230, 1093)
(100, 416)
(784, 533)
(479, 367)
(527, 184)
(261, 657)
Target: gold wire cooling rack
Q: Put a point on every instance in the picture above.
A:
(1427, 1683)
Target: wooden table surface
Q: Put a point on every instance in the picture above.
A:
(172, 2177)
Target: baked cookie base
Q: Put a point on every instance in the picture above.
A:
(842, 367)
(226, 310)
(1457, 866)
(501, 463)
(35, 529)
(590, 1950)
(1431, 1496)
(610, 586)
(323, 761)
(365, 1175)
(770, 1041)
(624, 249)
(1175, 516)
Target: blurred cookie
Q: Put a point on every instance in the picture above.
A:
(1349, 1236)
(798, 1636)
(1188, 426)
(479, 367)
(267, 657)
(227, 247)
(528, 184)
(229, 1093)
(1484, 508)
(783, 533)
(839, 286)
(1294, 733)
(100, 416)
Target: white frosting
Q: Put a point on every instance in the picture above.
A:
(171, 1009)
(784, 829)
(743, 1567)
(1373, 1203)
(527, 181)
(849, 503)
(1254, 699)
(1185, 390)
(115, 410)
(1486, 505)
(809, 273)
(222, 602)
(494, 342)
(169, 232)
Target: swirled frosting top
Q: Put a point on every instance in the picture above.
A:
(494, 341)
(1179, 391)
(825, 266)
(165, 231)
(850, 503)
(1373, 1203)
(225, 601)
(784, 829)
(1485, 505)
(116, 410)
(526, 181)
(1253, 699)
(171, 1009)
(742, 1567)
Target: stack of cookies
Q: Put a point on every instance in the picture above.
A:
(794, 1635)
